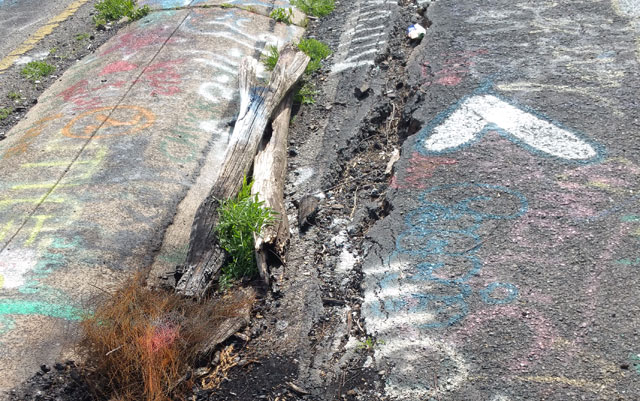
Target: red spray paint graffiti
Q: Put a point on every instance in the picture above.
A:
(453, 69)
(420, 169)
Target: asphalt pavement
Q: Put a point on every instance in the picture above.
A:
(508, 267)
(23, 23)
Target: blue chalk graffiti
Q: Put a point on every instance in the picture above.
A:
(48, 302)
(445, 234)
(488, 297)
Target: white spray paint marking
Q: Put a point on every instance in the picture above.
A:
(27, 59)
(475, 114)
(354, 48)
(408, 381)
(212, 91)
(14, 265)
(499, 397)
(630, 8)
(303, 175)
(346, 262)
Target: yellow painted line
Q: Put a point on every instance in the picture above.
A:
(36, 230)
(6, 229)
(35, 201)
(40, 34)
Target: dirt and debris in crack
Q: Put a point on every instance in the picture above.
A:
(315, 322)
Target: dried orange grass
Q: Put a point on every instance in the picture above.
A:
(140, 343)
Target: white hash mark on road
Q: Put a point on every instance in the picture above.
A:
(483, 112)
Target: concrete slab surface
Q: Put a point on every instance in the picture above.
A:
(119, 149)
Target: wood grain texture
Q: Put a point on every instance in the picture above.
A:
(269, 171)
(257, 105)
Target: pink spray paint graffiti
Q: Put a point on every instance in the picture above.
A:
(420, 170)
(452, 70)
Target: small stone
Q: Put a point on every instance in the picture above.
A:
(337, 206)
(45, 368)
(363, 91)
(281, 325)
(351, 392)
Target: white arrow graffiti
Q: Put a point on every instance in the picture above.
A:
(481, 113)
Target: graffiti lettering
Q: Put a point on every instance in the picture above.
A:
(121, 120)
(420, 169)
(472, 117)
(443, 238)
(29, 136)
(453, 69)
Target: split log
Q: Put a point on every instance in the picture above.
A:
(243, 300)
(269, 170)
(257, 104)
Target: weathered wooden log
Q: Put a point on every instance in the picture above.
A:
(225, 327)
(257, 104)
(269, 170)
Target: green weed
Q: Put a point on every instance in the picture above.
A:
(282, 15)
(82, 36)
(306, 94)
(239, 219)
(369, 343)
(113, 10)
(271, 58)
(226, 5)
(13, 95)
(316, 50)
(4, 112)
(36, 70)
(318, 8)
(53, 51)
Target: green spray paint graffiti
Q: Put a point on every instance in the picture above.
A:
(53, 259)
(18, 307)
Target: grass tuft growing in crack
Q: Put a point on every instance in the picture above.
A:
(113, 10)
(240, 219)
(316, 50)
(317, 8)
(369, 343)
(13, 95)
(271, 58)
(282, 15)
(36, 70)
(306, 94)
(5, 112)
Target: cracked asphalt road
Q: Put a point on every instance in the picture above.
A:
(24, 23)
(508, 268)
